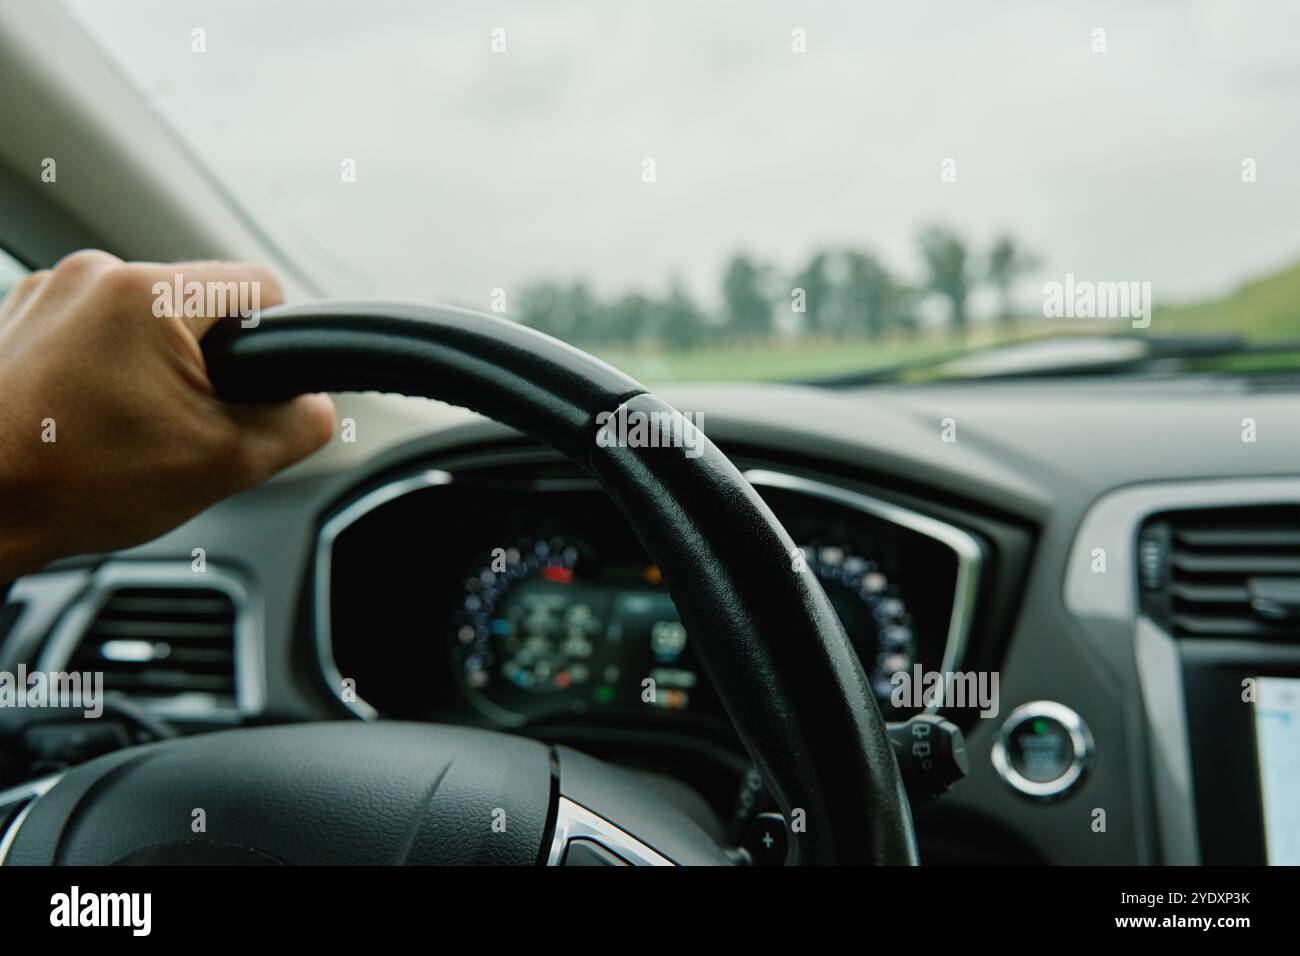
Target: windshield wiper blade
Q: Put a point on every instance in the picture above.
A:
(1069, 355)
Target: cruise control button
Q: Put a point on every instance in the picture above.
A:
(767, 842)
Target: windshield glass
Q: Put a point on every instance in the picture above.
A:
(699, 191)
(10, 272)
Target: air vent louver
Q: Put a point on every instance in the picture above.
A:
(1223, 573)
(159, 642)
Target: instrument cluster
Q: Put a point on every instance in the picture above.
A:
(517, 601)
(550, 625)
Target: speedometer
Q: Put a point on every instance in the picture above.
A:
(521, 622)
(872, 610)
(545, 627)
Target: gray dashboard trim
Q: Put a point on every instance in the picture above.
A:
(43, 597)
(1106, 606)
(1160, 675)
(349, 515)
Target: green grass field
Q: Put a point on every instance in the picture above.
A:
(779, 361)
(1263, 309)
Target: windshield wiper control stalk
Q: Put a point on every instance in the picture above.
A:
(931, 754)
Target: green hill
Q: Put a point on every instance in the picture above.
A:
(1261, 309)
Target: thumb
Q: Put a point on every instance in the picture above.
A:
(276, 436)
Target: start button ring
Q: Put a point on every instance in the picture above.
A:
(1043, 749)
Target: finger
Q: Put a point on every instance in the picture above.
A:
(201, 293)
(22, 293)
(276, 436)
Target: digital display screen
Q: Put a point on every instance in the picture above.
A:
(1277, 733)
(550, 628)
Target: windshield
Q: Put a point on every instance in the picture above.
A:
(798, 192)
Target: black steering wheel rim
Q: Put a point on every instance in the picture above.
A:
(760, 621)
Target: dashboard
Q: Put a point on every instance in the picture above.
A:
(445, 569)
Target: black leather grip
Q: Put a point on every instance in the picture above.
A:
(764, 628)
(504, 370)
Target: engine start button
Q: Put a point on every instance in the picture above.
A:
(1042, 749)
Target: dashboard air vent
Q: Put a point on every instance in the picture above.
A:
(160, 642)
(1223, 573)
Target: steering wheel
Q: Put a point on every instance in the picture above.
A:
(760, 622)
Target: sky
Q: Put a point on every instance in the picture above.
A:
(478, 170)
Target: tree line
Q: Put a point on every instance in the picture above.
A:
(837, 293)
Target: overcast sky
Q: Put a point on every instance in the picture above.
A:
(477, 170)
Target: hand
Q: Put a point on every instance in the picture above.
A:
(110, 433)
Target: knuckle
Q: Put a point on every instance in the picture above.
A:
(85, 262)
(127, 282)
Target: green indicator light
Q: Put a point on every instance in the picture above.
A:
(1040, 727)
(604, 694)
